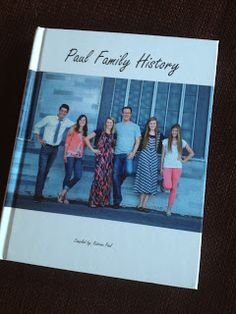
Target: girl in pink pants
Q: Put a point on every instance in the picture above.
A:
(171, 162)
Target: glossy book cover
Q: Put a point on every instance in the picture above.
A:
(108, 174)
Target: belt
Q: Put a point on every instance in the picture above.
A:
(51, 145)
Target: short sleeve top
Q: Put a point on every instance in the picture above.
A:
(126, 135)
(75, 144)
(172, 158)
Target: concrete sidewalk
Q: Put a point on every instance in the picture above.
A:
(124, 214)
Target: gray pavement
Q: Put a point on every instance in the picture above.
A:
(123, 214)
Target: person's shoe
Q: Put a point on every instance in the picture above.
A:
(142, 209)
(38, 199)
(65, 198)
(168, 212)
(108, 205)
(139, 208)
(66, 201)
(116, 206)
(60, 198)
(92, 205)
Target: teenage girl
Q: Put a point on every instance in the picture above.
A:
(73, 156)
(148, 169)
(171, 162)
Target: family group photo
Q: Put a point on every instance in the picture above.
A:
(114, 146)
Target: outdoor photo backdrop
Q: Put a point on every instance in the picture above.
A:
(98, 97)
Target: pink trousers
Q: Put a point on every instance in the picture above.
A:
(170, 180)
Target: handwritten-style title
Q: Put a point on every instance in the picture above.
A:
(122, 61)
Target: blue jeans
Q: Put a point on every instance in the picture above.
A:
(47, 156)
(72, 165)
(121, 169)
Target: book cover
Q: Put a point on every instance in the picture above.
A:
(108, 174)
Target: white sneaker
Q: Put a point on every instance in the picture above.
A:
(168, 211)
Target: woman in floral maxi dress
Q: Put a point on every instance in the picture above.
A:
(102, 181)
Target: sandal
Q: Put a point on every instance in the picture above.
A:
(139, 208)
(92, 205)
(66, 201)
(60, 198)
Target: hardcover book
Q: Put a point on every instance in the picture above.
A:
(108, 174)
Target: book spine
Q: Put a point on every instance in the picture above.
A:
(35, 58)
(7, 216)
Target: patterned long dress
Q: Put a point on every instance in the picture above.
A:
(148, 169)
(102, 181)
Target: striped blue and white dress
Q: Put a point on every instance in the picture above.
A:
(148, 170)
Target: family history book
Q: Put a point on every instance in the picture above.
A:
(108, 174)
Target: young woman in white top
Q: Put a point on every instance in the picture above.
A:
(171, 162)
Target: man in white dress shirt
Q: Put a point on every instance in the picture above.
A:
(53, 130)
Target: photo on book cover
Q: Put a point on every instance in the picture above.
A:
(120, 161)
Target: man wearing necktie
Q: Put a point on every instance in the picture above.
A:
(53, 130)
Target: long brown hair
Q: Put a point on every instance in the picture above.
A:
(113, 127)
(179, 139)
(85, 127)
(147, 130)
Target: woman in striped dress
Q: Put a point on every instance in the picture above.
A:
(148, 170)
